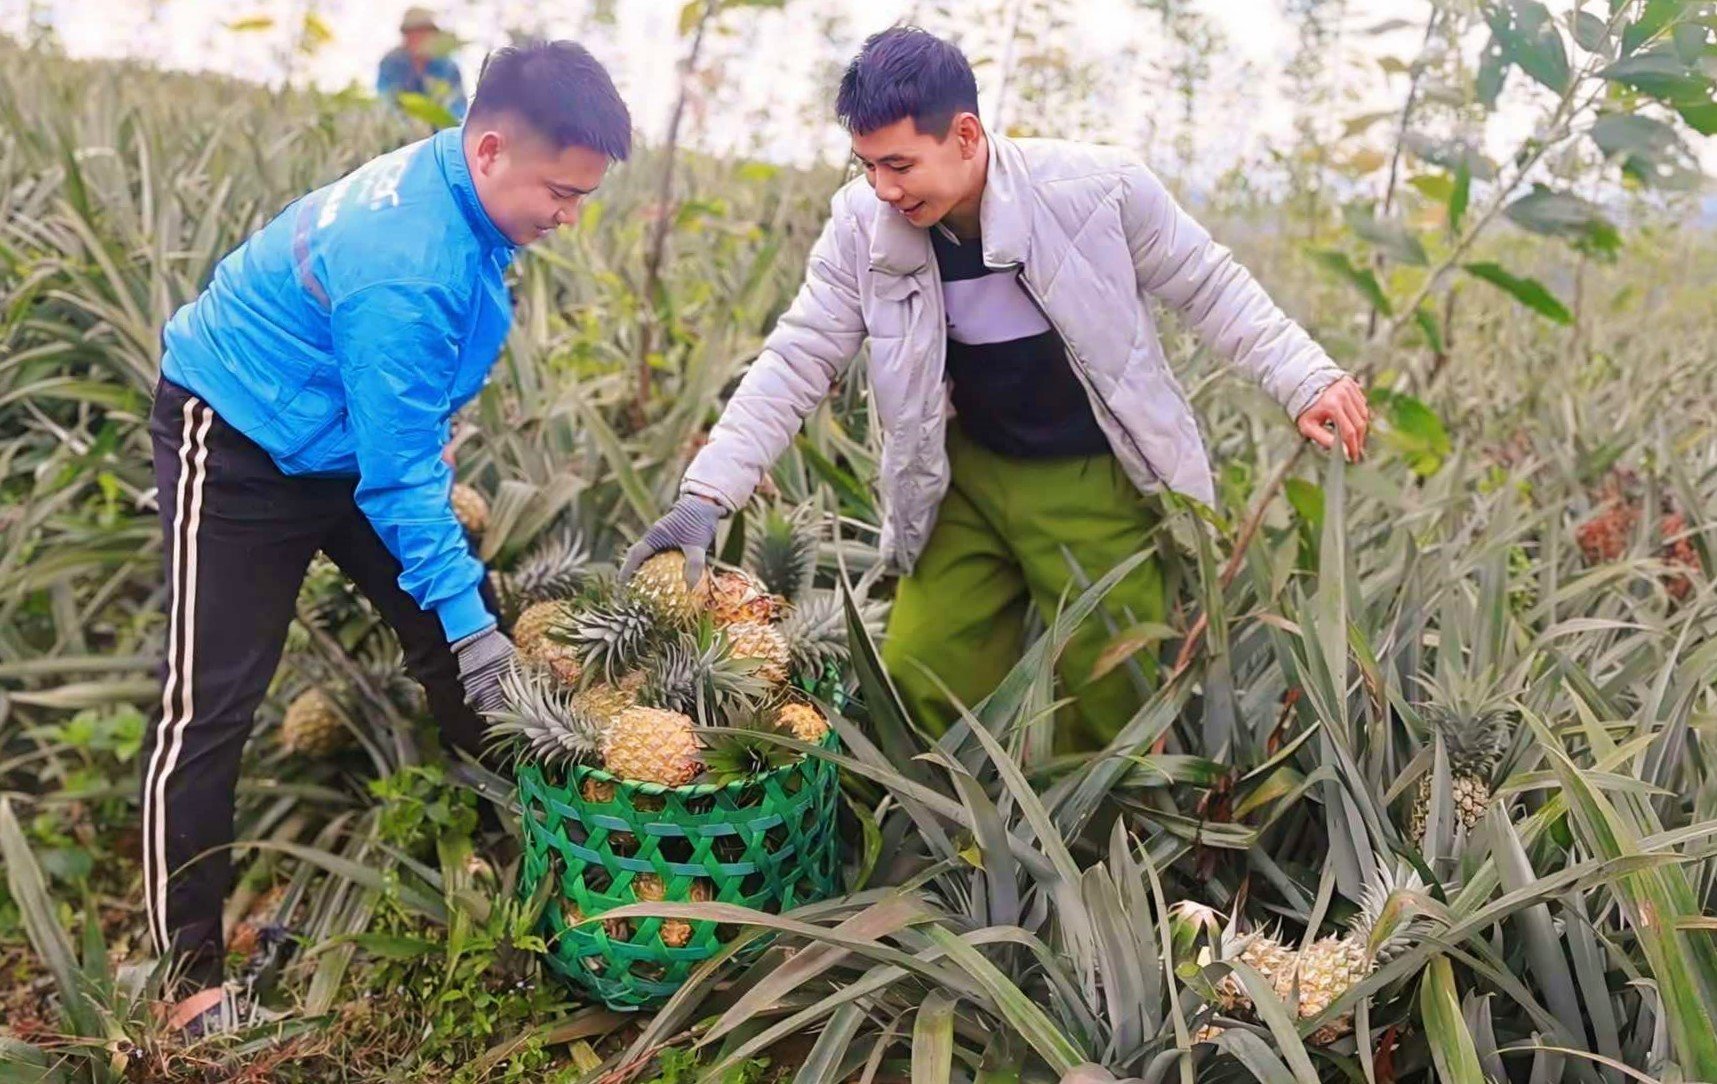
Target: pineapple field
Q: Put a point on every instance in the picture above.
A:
(1417, 790)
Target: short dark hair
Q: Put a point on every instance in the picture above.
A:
(560, 91)
(905, 72)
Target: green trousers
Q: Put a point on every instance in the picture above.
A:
(1001, 544)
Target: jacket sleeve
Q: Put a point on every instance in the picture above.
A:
(396, 347)
(812, 343)
(1178, 261)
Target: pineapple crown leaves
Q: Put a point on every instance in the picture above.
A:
(1471, 714)
(555, 568)
(614, 636)
(744, 746)
(1395, 908)
(816, 628)
(696, 674)
(538, 715)
(782, 551)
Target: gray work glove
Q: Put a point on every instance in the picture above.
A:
(689, 527)
(483, 657)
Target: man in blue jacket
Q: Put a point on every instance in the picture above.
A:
(305, 400)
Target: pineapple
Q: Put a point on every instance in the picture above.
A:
(1474, 739)
(754, 640)
(545, 720)
(614, 637)
(674, 932)
(605, 702)
(650, 745)
(737, 595)
(803, 721)
(1330, 966)
(1678, 553)
(783, 552)
(1271, 959)
(314, 726)
(470, 508)
(535, 622)
(696, 675)
(1605, 536)
(662, 586)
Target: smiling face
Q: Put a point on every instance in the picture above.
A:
(925, 178)
(529, 188)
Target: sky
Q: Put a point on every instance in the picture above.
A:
(777, 74)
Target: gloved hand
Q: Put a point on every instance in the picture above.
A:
(689, 527)
(483, 657)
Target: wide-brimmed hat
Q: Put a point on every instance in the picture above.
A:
(417, 19)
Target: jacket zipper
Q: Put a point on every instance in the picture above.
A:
(1078, 368)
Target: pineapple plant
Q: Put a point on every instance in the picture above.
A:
(470, 508)
(651, 745)
(314, 725)
(662, 586)
(1329, 967)
(1475, 738)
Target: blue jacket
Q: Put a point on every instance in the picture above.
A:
(343, 336)
(395, 75)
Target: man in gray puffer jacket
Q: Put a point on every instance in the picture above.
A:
(1026, 406)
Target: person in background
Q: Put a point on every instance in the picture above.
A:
(419, 66)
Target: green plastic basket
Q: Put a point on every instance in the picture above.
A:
(768, 843)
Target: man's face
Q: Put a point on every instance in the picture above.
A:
(528, 188)
(420, 43)
(917, 174)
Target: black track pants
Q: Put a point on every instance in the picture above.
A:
(239, 537)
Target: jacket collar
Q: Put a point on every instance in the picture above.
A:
(897, 247)
(449, 147)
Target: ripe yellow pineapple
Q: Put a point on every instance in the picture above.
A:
(470, 508)
(603, 702)
(755, 640)
(674, 932)
(1475, 739)
(802, 721)
(313, 726)
(597, 791)
(660, 584)
(1271, 959)
(1328, 967)
(1331, 966)
(738, 596)
(536, 620)
(652, 746)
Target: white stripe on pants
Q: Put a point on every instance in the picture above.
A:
(176, 691)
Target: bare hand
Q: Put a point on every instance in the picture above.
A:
(1342, 405)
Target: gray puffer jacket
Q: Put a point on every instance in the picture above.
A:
(1093, 231)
